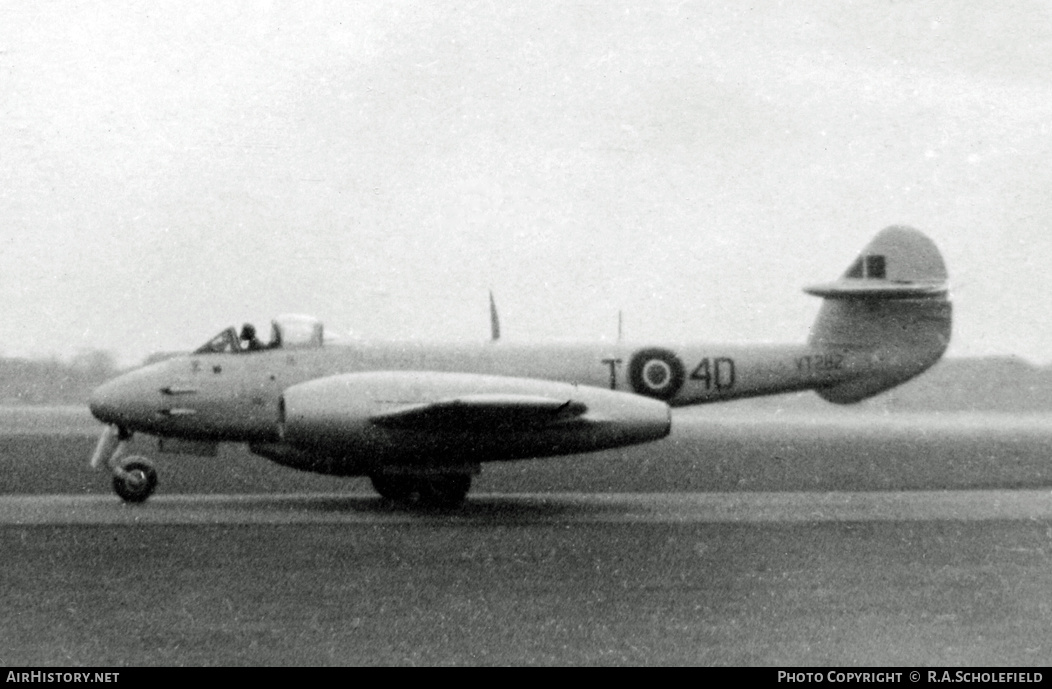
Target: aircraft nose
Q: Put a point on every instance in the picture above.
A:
(108, 402)
(101, 403)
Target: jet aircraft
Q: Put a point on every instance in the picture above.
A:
(419, 419)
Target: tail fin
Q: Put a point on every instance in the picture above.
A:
(892, 303)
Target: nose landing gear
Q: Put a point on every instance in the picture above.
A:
(134, 479)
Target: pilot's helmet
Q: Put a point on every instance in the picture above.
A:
(248, 332)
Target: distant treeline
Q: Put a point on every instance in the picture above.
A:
(978, 384)
(54, 381)
(981, 384)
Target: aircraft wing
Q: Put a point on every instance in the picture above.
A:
(483, 411)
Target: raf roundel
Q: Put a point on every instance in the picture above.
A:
(656, 373)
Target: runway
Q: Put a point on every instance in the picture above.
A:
(885, 578)
(534, 508)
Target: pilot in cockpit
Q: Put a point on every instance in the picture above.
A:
(250, 342)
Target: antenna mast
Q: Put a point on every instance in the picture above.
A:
(494, 320)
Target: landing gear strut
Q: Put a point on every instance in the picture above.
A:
(438, 490)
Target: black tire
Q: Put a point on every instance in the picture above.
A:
(136, 482)
(398, 488)
(444, 490)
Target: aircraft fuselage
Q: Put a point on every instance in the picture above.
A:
(236, 397)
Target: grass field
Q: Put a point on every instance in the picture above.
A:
(47, 452)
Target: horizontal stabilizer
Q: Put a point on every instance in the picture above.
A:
(482, 412)
(877, 289)
(900, 263)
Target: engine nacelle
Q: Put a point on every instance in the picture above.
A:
(442, 419)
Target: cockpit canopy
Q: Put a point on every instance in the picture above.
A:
(289, 331)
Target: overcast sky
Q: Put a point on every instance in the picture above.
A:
(168, 169)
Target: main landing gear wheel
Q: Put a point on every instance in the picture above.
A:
(135, 479)
(397, 488)
(447, 490)
(441, 490)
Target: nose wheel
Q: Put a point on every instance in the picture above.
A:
(134, 479)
